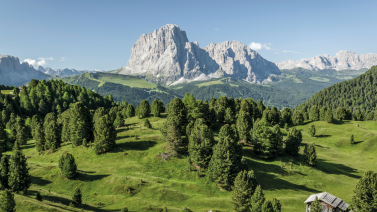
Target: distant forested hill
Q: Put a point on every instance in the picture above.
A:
(359, 93)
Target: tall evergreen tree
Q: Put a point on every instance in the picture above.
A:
(312, 130)
(67, 166)
(322, 113)
(257, 200)
(293, 141)
(200, 144)
(147, 124)
(365, 198)
(297, 118)
(65, 120)
(3, 138)
(130, 111)
(177, 144)
(77, 197)
(244, 124)
(39, 137)
(310, 155)
(220, 107)
(314, 113)
(19, 177)
(119, 121)
(267, 143)
(340, 113)
(243, 189)
(7, 203)
(157, 108)
(144, 109)
(104, 135)
(52, 136)
(276, 205)
(316, 206)
(329, 116)
(4, 172)
(352, 139)
(286, 116)
(80, 124)
(229, 117)
(267, 206)
(42, 107)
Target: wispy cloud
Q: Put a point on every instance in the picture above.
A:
(287, 51)
(259, 46)
(63, 59)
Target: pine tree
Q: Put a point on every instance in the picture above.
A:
(157, 108)
(7, 203)
(42, 107)
(77, 197)
(329, 116)
(4, 172)
(19, 178)
(130, 111)
(104, 135)
(229, 116)
(3, 138)
(178, 110)
(21, 136)
(267, 206)
(39, 197)
(364, 198)
(39, 137)
(244, 124)
(316, 206)
(119, 121)
(312, 130)
(65, 131)
(200, 144)
(293, 141)
(67, 166)
(80, 124)
(352, 139)
(13, 134)
(147, 124)
(297, 118)
(257, 200)
(52, 136)
(322, 113)
(314, 113)
(311, 155)
(144, 109)
(243, 189)
(276, 205)
(286, 116)
(173, 136)
(306, 153)
(267, 143)
(341, 113)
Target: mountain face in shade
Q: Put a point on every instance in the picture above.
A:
(167, 55)
(341, 61)
(12, 72)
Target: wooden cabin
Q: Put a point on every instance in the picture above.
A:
(330, 203)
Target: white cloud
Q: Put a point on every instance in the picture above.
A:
(45, 58)
(30, 61)
(259, 46)
(41, 63)
(63, 59)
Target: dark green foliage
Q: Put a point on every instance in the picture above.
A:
(85, 142)
(64, 120)
(19, 178)
(52, 136)
(104, 135)
(314, 113)
(3, 138)
(130, 111)
(370, 116)
(144, 109)
(257, 200)
(352, 139)
(157, 108)
(243, 189)
(286, 127)
(4, 172)
(297, 118)
(322, 113)
(316, 206)
(39, 197)
(67, 166)
(16, 146)
(101, 111)
(340, 113)
(200, 144)
(7, 203)
(244, 124)
(124, 210)
(276, 205)
(267, 206)
(286, 116)
(310, 155)
(77, 197)
(147, 124)
(365, 198)
(172, 132)
(267, 143)
(293, 141)
(119, 121)
(220, 107)
(328, 116)
(21, 136)
(229, 116)
(80, 124)
(312, 130)
(178, 110)
(39, 137)
(358, 116)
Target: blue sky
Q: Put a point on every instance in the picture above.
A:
(100, 34)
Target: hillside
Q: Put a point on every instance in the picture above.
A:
(358, 94)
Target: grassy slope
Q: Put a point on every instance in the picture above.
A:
(160, 183)
(6, 91)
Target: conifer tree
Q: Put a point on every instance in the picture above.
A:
(267, 143)
(276, 205)
(243, 189)
(119, 121)
(312, 130)
(364, 198)
(7, 203)
(178, 110)
(4, 172)
(147, 124)
(329, 116)
(244, 124)
(39, 137)
(33, 124)
(173, 136)
(286, 116)
(77, 197)
(19, 178)
(42, 107)
(3, 138)
(311, 155)
(13, 134)
(267, 206)
(67, 166)
(104, 135)
(144, 109)
(341, 113)
(157, 108)
(229, 116)
(220, 107)
(314, 113)
(316, 206)
(21, 136)
(52, 136)
(80, 124)
(297, 118)
(293, 141)
(322, 113)
(352, 139)
(257, 200)
(200, 144)
(130, 111)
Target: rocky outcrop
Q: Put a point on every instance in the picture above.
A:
(341, 61)
(12, 72)
(167, 55)
(60, 72)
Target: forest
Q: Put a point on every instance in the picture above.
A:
(213, 139)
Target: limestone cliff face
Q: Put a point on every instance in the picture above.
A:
(167, 55)
(341, 61)
(12, 72)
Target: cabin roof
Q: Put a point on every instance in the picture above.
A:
(329, 199)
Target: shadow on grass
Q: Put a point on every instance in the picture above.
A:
(322, 146)
(334, 168)
(135, 145)
(39, 181)
(357, 142)
(27, 146)
(322, 136)
(83, 176)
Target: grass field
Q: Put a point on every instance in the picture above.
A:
(127, 80)
(210, 83)
(6, 91)
(320, 79)
(158, 183)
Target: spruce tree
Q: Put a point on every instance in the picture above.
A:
(364, 198)
(276, 205)
(267, 143)
(67, 166)
(257, 200)
(104, 135)
(144, 109)
(65, 131)
(293, 141)
(13, 134)
(329, 116)
(312, 130)
(52, 136)
(21, 136)
(316, 206)
(77, 197)
(7, 203)
(352, 139)
(157, 108)
(39, 137)
(341, 113)
(322, 113)
(130, 111)
(19, 178)
(267, 206)
(311, 155)
(314, 113)
(297, 118)
(243, 189)
(4, 172)
(80, 124)
(286, 116)
(244, 124)
(229, 117)
(119, 121)
(200, 144)
(147, 124)
(3, 138)
(174, 136)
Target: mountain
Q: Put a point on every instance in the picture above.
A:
(60, 72)
(167, 55)
(12, 72)
(343, 60)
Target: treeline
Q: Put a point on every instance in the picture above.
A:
(357, 95)
(6, 87)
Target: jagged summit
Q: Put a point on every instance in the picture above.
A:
(167, 55)
(341, 61)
